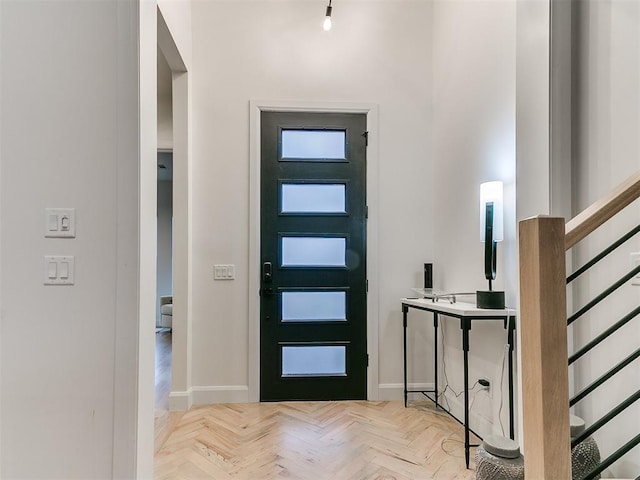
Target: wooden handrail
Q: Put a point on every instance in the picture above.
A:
(602, 210)
(543, 242)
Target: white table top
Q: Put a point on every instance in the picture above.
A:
(461, 309)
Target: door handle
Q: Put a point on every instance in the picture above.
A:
(267, 274)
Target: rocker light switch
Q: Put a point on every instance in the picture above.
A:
(53, 270)
(52, 222)
(59, 270)
(64, 270)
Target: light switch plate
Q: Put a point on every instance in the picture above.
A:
(59, 270)
(60, 223)
(224, 272)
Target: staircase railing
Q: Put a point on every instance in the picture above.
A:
(543, 324)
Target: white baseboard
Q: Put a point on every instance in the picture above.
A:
(180, 401)
(395, 391)
(207, 395)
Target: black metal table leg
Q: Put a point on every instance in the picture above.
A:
(435, 361)
(466, 326)
(405, 309)
(511, 330)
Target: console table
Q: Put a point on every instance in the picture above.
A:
(466, 313)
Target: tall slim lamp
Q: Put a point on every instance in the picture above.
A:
(491, 232)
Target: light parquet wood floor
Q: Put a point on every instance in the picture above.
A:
(313, 441)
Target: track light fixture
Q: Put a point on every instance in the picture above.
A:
(327, 19)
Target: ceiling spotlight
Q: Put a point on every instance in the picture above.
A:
(327, 19)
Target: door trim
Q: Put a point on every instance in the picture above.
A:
(371, 110)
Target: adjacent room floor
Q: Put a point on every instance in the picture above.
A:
(164, 420)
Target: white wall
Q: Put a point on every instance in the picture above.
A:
(378, 52)
(165, 126)
(474, 142)
(1, 240)
(534, 147)
(177, 15)
(1, 217)
(144, 30)
(165, 220)
(607, 150)
(533, 115)
(165, 107)
(70, 139)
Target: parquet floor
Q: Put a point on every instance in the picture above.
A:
(302, 440)
(313, 441)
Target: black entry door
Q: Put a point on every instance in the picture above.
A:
(313, 253)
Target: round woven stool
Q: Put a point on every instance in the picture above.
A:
(585, 456)
(498, 458)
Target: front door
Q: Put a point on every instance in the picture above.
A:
(313, 257)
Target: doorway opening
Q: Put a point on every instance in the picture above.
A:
(164, 240)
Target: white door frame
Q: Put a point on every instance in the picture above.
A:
(153, 32)
(180, 397)
(371, 110)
